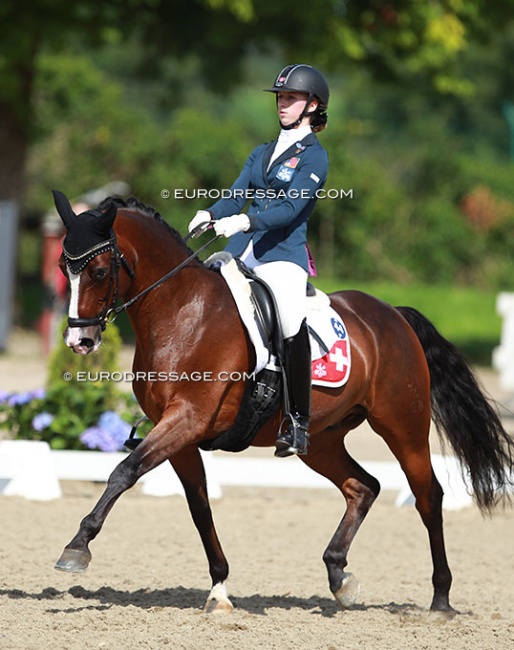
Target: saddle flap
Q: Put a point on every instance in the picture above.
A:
(264, 311)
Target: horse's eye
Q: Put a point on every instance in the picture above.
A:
(100, 274)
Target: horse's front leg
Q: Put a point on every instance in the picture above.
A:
(149, 454)
(76, 555)
(189, 467)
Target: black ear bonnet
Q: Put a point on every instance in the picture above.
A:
(87, 235)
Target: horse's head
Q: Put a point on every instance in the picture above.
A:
(90, 260)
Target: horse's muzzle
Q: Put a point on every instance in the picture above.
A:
(83, 340)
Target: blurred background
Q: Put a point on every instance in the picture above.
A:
(137, 96)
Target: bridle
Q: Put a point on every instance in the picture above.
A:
(77, 263)
(111, 311)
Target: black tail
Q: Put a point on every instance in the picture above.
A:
(462, 411)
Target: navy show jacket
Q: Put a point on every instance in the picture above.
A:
(282, 198)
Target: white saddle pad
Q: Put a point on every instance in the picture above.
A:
(330, 344)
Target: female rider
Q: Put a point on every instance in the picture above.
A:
(282, 179)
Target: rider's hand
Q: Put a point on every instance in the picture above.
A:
(202, 217)
(231, 225)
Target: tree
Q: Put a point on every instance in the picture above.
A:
(28, 28)
(399, 39)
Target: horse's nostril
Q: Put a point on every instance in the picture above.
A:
(87, 343)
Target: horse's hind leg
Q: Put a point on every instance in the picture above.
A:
(189, 467)
(413, 452)
(429, 499)
(360, 490)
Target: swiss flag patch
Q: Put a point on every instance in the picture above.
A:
(333, 368)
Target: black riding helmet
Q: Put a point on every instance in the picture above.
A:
(306, 79)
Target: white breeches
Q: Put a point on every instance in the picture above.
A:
(288, 282)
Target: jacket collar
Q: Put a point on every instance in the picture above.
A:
(295, 148)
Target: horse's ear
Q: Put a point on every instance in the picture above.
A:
(63, 207)
(110, 214)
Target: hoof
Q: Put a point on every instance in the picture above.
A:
(213, 606)
(348, 592)
(73, 561)
(443, 615)
(218, 601)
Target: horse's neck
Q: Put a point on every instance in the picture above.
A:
(153, 251)
(150, 246)
(150, 237)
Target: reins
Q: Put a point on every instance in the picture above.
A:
(112, 313)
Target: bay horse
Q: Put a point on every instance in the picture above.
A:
(403, 374)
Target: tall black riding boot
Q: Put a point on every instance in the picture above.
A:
(297, 361)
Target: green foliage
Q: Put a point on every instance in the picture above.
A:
(433, 198)
(464, 315)
(75, 400)
(428, 204)
(85, 118)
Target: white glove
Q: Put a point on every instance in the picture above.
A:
(231, 225)
(201, 217)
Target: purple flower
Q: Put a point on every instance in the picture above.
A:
(109, 435)
(42, 420)
(94, 438)
(18, 399)
(4, 396)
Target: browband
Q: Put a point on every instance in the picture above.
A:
(76, 263)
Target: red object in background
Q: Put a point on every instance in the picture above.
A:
(54, 284)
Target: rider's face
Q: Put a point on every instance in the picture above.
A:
(290, 106)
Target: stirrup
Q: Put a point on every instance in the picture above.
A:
(295, 440)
